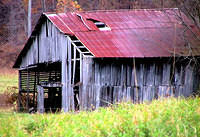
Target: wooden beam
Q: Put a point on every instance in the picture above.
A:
(74, 67)
(34, 89)
(40, 99)
(19, 94)
(64, 78)
(27, 90)
(78, 59)
(70, 89)
(135, 79)
(75, 40)
(81, 68)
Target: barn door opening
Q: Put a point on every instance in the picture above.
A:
(48, 77)
(50, 85)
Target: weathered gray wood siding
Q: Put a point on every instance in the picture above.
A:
(67, 89)
(108, 81)
(50, 45)
(49, 42)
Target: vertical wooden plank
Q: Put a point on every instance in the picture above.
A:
(64, 78)
(83, 79)
(149, 74)
(28, 90)
(98, 90)
(34, 89)
(102, 96)
(131, 90)
(140, 74)
(148, 93)
(177, 75)
(19, 82)
(140, 94)
(70, 89)
(20, 88)
(40, 99)
(120, 93)
(81, 68)
(129, 74)
(118, 74)
(87, 79)
(137, 78)
(114, 75)
(196, 78)
(97, 83)
(97, 73)
(103, 73)
(107, 74)
(158, 74)
(123, 75)
(81, 82)
(74, 65)
(188, 80)
(136, 94)
(115, 94)
(93, 96)
(166, 74)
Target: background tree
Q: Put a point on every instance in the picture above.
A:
(67, 5)
(29, 17)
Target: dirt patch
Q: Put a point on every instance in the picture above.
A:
(4, 101)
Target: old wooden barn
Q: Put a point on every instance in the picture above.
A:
(90, 59)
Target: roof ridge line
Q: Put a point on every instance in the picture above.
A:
(112, 10)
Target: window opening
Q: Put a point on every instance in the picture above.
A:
(100, 25)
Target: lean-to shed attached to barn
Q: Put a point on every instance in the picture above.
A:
(86, 60)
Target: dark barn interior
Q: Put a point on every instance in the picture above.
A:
(41, 74)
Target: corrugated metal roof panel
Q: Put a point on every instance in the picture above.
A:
(134, 33)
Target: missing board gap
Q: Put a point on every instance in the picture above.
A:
(83, 49)
(88, 54)
(73, 38)
(100, 25)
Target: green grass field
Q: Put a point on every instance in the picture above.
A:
(8, 81)
(168, 117)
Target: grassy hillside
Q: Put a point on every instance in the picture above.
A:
(169, 117)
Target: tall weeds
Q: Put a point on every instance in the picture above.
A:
(167, 117)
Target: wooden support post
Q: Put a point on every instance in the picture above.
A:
(19, 94)
(70, 89)
(27, 90)
(40, 99)
(136, 82)
(81, 82)
(81, 67)
(34, 90)
(74, 65)
(64, 79)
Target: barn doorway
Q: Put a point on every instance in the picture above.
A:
(48, 77)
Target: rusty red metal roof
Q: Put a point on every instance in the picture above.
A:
(134, 33)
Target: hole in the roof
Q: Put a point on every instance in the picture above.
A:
(73, 38)
(102, 26)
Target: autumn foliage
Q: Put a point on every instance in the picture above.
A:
(67, 5)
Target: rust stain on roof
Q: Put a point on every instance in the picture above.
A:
(133, 33)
